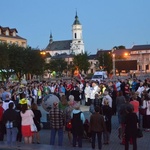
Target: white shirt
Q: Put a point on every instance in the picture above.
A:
(87, 91)
(6, 104)
(146, 104)
(140, 90)
(94, 90)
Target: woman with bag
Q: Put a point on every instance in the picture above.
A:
(27, 120)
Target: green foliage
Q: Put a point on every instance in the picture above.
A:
(81, 61)
(19, 60)
(119, 47)
(58, 65)
(105, 61)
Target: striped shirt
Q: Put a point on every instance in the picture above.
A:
(56, 118)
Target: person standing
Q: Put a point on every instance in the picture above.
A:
(6, 102)
(94, 90)
(56, 124)
(26, 122)
(77, 120)
(120, 99)
(131, 123)
(123, 113)
(107, 113)
(37, 121)
(68, 111)
(63, 103)
(2, 127)
(87, 91)
(146, 118)
(10, 119)
(135, 103)
(108, 97)
(97, 126)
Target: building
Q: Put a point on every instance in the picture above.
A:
(140, 53)
(10, 36)
(74, 46)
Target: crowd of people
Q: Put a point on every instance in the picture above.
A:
(19, 109)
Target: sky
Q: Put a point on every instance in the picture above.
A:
(105, 23)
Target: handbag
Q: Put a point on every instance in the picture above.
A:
(142, 111)
(33, 128)
(69, 125)
(139, 133)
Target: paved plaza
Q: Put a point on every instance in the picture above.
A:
(143, 143)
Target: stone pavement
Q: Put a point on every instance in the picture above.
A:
(143, 143)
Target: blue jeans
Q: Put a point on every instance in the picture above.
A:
(99, 139)
(11, 135)
(53, 135)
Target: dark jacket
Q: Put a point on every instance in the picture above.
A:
(124, 108)
(11, 115)
(131, 125)
(107, 113)
(97, 123)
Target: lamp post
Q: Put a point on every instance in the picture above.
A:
(114, 67)
(140, 63)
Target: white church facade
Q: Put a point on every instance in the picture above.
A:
(70, 47)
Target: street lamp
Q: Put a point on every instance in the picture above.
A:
(113, 59)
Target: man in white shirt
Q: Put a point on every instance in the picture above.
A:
(87, 92)
(94, 90)
(140, 89)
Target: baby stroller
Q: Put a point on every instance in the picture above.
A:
(86, 133)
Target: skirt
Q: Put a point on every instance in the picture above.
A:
(26, 131)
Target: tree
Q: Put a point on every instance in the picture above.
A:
(58, 65)
(119, 47)
(18, 57)
(81, 61)
(105, 61)
(36, 62)
(5, 67)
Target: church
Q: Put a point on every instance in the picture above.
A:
(73, 46)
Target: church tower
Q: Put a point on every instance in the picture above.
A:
(77, 45)
(51, 38)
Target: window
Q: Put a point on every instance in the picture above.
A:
(14, 33)
(146, 67)
(7, 32)
(75, 35)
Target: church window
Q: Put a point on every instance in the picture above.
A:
(75, 35)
